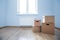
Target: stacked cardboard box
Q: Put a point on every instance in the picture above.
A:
(36, 27)
(47, 19)
(37, 23)
(48, 28)
(48, 24)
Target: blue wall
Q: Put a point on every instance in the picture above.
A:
(10, 17)
(45, 8)
(13, 19)
(2, 12)
(57, 12)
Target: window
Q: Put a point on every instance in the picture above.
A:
(27, 7)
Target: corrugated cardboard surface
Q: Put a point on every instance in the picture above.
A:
(37, 23)
(36, 29)
(48, 19)
(48, 28)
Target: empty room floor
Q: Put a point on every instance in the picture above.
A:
(16, 33)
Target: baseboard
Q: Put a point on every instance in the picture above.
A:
(2, 27)
(57, 28)
(20, 26)
(26, 26)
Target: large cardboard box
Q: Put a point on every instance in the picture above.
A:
(48, 28)
(47, 19)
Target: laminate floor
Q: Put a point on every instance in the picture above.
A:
(12, 33)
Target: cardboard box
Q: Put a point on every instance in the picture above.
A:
(36, 29)
(47, 19)
(48, 28)
(36, 23)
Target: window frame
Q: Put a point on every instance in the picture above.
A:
(18, 8)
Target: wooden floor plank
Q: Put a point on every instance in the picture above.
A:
(10, 33)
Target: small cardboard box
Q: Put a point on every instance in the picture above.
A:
(36, 23)
(36, 29)
(47, 19)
